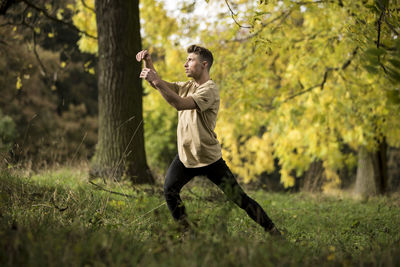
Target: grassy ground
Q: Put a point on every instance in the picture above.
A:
(58, 218)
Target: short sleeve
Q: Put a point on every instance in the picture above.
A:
(177, 86)
(204, 97)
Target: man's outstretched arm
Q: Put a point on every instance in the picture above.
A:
(165, 88)
(178, 102)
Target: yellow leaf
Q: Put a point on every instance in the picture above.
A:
(15, 28)
(29, 15)
(91, 71)
(60, 13)
(37, 30)
(50, 35)
(19, 83)
(63, 64)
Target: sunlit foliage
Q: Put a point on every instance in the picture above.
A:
(309, 81)
(300, 81)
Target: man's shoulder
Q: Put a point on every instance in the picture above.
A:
(183, 83)
(210, 84)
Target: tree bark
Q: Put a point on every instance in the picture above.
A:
(314, 178)
(120, 149)
(372, 175)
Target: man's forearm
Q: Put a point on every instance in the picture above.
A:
(149, 64)
(178, 102)
(168, 94)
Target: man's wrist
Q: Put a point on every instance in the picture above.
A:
(157, 81)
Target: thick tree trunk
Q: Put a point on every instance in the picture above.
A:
(314, 178)
(372, 176)
(120, 149)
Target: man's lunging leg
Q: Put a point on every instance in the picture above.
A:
(220, 174)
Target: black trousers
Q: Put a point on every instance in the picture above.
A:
(219, 173)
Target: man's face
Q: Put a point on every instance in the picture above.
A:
(193, 66)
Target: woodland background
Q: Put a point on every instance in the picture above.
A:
(309, 122)
(310, 90)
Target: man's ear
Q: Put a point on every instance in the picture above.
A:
(205, 64)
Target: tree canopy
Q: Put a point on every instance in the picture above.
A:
(300, 81)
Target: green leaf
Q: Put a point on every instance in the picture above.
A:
(371, 69)
(373, 8)
(393, 73)
(375, 51)
(393, 96)
(395, 62)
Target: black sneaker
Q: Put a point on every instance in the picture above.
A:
(275, 232)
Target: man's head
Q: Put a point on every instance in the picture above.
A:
(199, 59)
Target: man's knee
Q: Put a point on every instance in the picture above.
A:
(170, 191)
(239, 198)
(234, 193)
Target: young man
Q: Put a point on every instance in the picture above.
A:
(199, 152)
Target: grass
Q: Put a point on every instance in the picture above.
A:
(58, 218)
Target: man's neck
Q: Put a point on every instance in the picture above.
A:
(202, 79)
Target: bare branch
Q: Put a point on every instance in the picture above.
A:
(378, 41)
(282, 20)
(109, 191)
(391, 26)
(315, 2)
(326, 77)
(263, 25)
(347, 63)
(88, 7)
(150, 191)
(43, 68)
(300, 93)
(233, 17)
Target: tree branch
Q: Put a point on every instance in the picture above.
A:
(325, 78)
(88, 7)
(391, 26)
(43, 68)
(150, 191)
(46, 14)
(3, 43)
(311, 2)
(263, 25)
(379, 29)
(233, 17)
(109, 191)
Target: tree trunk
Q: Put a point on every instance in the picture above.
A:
(314, 178)
(372, 176)
(120, 149)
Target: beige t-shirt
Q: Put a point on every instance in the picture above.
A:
(197, 142)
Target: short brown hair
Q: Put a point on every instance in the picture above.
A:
(204, 53)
